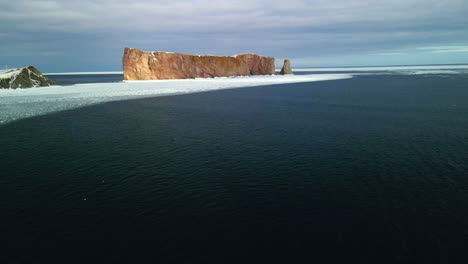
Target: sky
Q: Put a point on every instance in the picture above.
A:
(90, 35)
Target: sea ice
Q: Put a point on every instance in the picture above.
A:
(22, 103)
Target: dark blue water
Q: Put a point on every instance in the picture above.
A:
(109, 78)
(366, 170)
(85, 78)
(99, 78)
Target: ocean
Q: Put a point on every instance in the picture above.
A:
(368, 169)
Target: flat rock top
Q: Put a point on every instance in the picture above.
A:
(198, 55)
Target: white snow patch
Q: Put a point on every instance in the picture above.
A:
(22, 103)
(7, 74)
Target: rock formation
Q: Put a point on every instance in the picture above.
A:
(258, 65)
(141, 65)
(286, 68)
(23, 78)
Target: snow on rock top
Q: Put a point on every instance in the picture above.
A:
(9, 73)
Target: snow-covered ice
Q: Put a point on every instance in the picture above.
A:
(22, 103)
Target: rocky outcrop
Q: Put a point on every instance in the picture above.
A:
(23, 78)
(286, 68)
(157, 65)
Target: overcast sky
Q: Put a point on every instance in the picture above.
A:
(89, 35)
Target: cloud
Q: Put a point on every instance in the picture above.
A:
(291, 29)
(241, 15)
(445, 49)
(389, 53)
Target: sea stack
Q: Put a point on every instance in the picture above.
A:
(26, 77)
(286, 68)
(158, 65)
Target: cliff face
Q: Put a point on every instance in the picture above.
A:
(258, 65)
(23, 78)
(141, 65)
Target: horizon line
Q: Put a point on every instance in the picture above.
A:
(278, 69)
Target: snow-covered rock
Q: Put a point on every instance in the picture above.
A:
(26, 77)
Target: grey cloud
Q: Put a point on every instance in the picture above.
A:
(293, 28)
(445, 49)
(206, 15)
